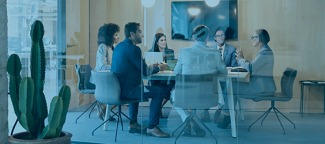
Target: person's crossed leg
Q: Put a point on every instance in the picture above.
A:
(155, 106)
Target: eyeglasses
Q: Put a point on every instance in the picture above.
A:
(219, 36)
(253, 37)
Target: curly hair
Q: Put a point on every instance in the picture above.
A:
(106, 33)
(157, 37)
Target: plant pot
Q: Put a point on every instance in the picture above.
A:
(23, 138)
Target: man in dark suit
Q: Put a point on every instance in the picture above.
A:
(228, 55)
(128, 65)
(227, 51)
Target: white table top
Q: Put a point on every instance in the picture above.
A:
(162, 75)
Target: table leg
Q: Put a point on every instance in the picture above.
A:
(220, 94)
(302, 100)
(324, 99)
(231, 107)
(240, 107)
(108, 113)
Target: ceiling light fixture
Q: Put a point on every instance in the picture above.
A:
(147, 3)
(194, 11)
(212, 3)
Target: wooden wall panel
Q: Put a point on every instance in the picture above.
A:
(295, 26)
(77, 33)
(297, 40)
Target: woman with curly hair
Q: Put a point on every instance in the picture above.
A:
(107, 37)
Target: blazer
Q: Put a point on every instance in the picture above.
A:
(128, 65)
(199, 59)
(261, 71)
(168, 52)
(103, 59)
(229, 55)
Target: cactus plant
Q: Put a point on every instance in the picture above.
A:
(27, 94)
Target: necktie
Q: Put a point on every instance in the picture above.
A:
(220, 52)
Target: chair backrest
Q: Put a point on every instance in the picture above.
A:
(199, 61)
(194, 92)
(287, 80)
(84, 73)
(108, 88)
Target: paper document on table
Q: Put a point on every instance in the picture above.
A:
(153, 57)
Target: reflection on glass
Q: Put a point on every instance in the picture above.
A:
(21, 15)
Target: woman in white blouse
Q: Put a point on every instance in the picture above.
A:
(106, 38)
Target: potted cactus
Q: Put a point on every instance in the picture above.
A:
(29, 101)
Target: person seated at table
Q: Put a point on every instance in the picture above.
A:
(228, 52)
(228, 55)
(160, 45)
(129, 66)
(261, 82)
(106, 38)
(184, 66)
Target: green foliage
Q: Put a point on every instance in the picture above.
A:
(65, 94)
(38, 74)
(27, 94)
(53, 119)
(14, 68)
(37, 31)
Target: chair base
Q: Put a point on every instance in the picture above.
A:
(119, 119)
(187, 122)
(267, 113)
(13, 128)
(92, 105)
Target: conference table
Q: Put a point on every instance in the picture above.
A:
(169, 75)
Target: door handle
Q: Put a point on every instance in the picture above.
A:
(70, 45)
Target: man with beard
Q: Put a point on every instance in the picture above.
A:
(128, 65)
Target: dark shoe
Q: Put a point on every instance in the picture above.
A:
(111, 119)
(205, 116)
(136, 128)
(225, 123)
(187, 130)
(216, 118)
(157, 132)
(198, 130)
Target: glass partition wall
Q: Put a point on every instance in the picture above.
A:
(21, 15)
(185, 35)
(296, 42)
(251, 74)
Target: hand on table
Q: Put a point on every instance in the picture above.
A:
(156, 64)
(162, 66)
